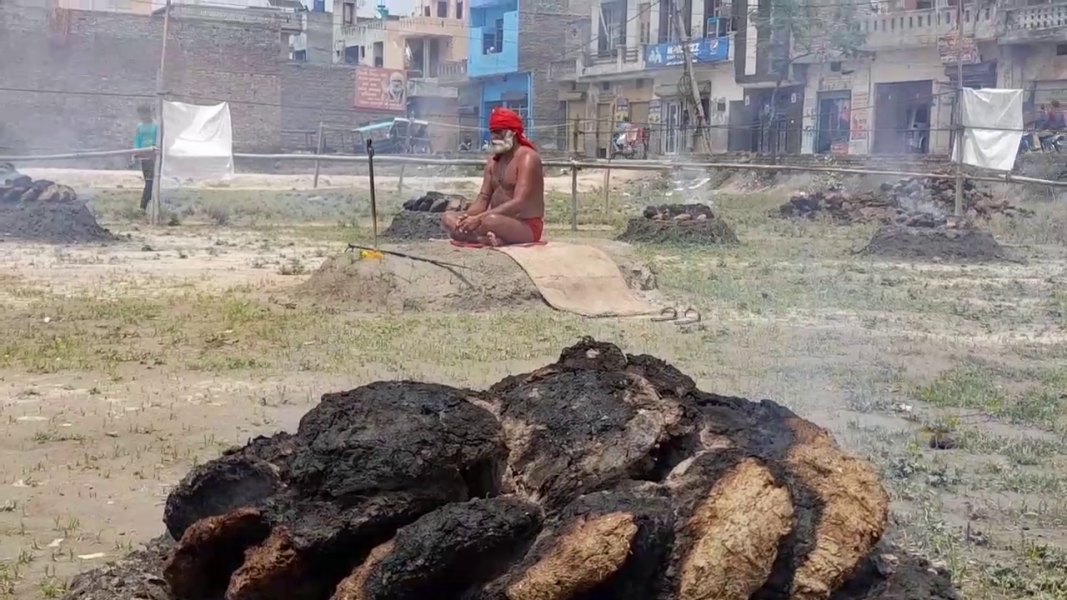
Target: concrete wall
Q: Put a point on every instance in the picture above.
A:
(319, 34)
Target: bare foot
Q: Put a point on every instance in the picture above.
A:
(494, 240)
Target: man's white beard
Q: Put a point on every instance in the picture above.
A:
(504, 145)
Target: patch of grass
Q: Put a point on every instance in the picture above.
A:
(973, 387)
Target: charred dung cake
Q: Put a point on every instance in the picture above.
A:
(904, 202)
(679, 223)
(44, 211)
(421, 217)
(601, 476)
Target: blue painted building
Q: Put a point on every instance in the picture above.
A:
(509, 55)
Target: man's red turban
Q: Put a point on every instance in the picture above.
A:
(504, 119)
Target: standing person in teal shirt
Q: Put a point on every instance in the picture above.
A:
(147, 132)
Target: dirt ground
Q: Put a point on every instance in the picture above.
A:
(122, 365)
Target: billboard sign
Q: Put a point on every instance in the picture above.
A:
(707, 50)
(381, 89)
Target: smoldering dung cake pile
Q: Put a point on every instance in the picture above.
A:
(603, 475)
(44, 211)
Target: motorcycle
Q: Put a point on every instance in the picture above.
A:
(624, 144)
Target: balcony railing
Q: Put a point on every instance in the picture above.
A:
(452, 71)
(1042, 18)
(923, 27)
(420, 24)
(430, 86)
(620, 59)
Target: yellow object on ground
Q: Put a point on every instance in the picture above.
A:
(370, 255)
(578, 279)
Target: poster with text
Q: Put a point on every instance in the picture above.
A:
(381, 89)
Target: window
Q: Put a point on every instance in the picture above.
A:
(605, 86)
(442, 9)
(835, 66)
(300, 56)
(425, 11)
(499, 34)
(379, 54)
(612, 32)
(459, 10)
(348, 13)
(1061, 49)
(353, 54)
(644, 24)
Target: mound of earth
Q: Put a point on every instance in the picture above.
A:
(43, 211)
(479, 280)
(603, 475)
(414, 226)
(935, 243)
(680, 224)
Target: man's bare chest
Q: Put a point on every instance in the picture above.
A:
(504, 176)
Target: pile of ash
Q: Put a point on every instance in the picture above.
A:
(421, 219)
(900, 202)
(44, 211)
(603, 475)
(679, 223)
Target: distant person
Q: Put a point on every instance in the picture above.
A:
(510, 208)
(145, 138)
(1056, 121)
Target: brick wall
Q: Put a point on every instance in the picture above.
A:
(106, 64)
(540, 45)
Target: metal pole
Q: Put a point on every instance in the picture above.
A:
(574, 198)
(959, 108)
(373, 199)
(318, 153)
(153, 213)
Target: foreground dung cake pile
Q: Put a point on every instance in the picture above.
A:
(603, 475)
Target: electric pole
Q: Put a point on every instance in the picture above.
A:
(154, 205)
(690, 78)
(959, 108)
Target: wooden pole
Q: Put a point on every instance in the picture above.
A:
(400, 182)
(607, 183)
(154, 210)
(318, 153)
(959, 106)
(373, 199)
(574, 198)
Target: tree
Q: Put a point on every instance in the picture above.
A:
(791, 31)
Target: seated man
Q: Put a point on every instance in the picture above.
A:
(510, 208)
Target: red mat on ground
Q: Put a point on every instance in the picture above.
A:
(460, 244)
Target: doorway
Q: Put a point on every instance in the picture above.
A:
(672, 123)
(835, 114)
(902, 117)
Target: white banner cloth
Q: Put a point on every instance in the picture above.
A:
(993, 128)
(197, 142)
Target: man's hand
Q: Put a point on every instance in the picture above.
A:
(469, 223)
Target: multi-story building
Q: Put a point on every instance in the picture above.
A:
(893, 92)
(632, 67)
(414, 48)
